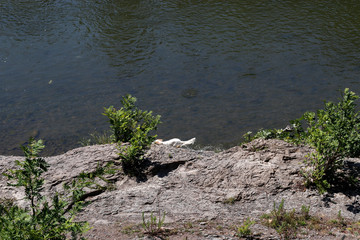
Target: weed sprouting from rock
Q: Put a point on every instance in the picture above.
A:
(153, 226)
(244, 229)
(286, 223)
(97, 138)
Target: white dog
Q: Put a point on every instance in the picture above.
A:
(175, 142)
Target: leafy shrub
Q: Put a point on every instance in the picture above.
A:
(333, 132)
(132, 125)
(130, 120)
(44, 220)
(132, 154)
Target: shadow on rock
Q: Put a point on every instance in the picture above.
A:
(136, 169)
(346, 183)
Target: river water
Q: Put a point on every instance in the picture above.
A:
(213, 69)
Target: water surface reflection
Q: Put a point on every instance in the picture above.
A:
(251, 64)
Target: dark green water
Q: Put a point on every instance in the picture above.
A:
(213, 69)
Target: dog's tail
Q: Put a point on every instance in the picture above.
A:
(189, 142)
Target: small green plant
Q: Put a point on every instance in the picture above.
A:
(293, 133)
(132, 125)
(244, 230)
(188, 225)
(44, 219)
(89, 181)
(304, 217)
(130, 229)
(284, 222)
(97, 138)
(340, 217)
(230, 200)
(305, 212)
(247, 137)
(219, 227)
(153, 226)
(339, 221)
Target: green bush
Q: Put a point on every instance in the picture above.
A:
(129, 120)
(333, 132)
(44, 219)
(132, 125)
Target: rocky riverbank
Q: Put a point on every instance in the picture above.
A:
(203, 193)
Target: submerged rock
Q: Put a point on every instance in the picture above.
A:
(189, 93)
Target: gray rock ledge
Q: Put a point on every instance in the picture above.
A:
(192, 185)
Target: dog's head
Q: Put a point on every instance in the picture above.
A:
(158, 141)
